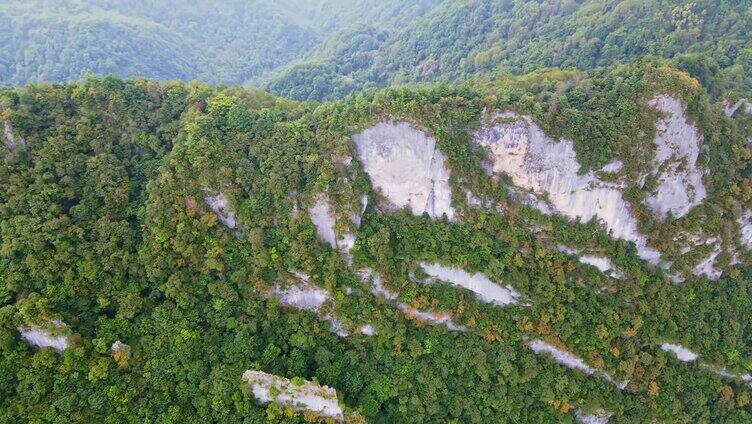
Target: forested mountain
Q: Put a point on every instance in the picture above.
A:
(558, 246)
(459, 39)
(228, 41)
(526, 211)
(326, 49)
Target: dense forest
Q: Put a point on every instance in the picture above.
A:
(326, 49)
(228, 41)
(459, 39)
(111, 240)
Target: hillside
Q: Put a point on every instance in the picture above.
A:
(232, 42)
(218, 42)
(558, 246)
(326, 49)
(460, 39)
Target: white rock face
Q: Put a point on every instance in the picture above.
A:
(600, 416)
(357, 218)
(40, 337)
(531, 200)
(707, 266)
(473, 201)
(119, 346)
(337, 327)
(613, 167)
(12, 143)
(304, 296)
(363, 204)
(730, 109)
(377, 288)
(682, 353)
(745, 222)
(368, 330)
(430, 317)
(346, 242)
(307, 397)
(485, 289)
(221, 207)
(562, 357)
(520, 149)
(677, 143)
(725, 374)
(323, 218)
(406, 167)
(685, 355)
(571, 361)
(308, 297)
(603, 264)
(8, 134)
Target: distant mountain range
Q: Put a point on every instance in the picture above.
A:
(325, 49)
(231, 42)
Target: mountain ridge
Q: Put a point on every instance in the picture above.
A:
(109, 229)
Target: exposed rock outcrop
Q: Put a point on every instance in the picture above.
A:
(725, 374)
(707, 268)
(357, 218)
(120, 347)
(337, 327)
(433, 318)
(531, 200)
(12, 143)
(322, 216)
(570, 361)
(406, 168)
(603, 264)
(517, 147)
(682, 353)
(685, 355)
(745, 222)
(485, 289)
(562, 357)
(731, 108)
(613, 167)
(220, 205)
(368, 330)
(303, 296)
(121, 352)
(600, 416)
(324, 220)
(300, 396)
(41, 337)
(677, 143)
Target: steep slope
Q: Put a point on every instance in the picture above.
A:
(175, 253)
(465, 38)
(231, 42)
